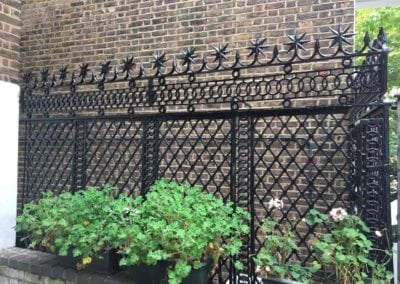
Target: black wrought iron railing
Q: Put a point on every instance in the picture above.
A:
(306, 126)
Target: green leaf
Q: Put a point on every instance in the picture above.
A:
(197, 264)
(239, 265)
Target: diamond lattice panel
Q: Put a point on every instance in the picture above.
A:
(114, 154)
(301, 159)
(197, 151)
(49, 158)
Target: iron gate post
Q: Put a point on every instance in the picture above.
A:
(79, 159)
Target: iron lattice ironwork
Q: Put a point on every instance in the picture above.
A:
(306, 126)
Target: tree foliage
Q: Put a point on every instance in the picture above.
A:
(389, 17)
(369, 20)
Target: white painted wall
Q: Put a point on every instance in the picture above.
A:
(9, 110)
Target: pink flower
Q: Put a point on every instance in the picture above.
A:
(338, 214)
(275, 204)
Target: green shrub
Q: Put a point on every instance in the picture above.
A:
(183, 226)
(272, 259)
(345, 249)
(86, 222)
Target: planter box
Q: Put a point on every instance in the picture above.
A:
(108, 264)
(157, 274)
(199, 276)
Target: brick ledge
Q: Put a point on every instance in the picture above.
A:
(45, 264)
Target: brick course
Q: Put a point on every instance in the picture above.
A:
(10, 30)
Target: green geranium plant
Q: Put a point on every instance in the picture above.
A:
(85, 223)
(344, 250)
(272, 259)
(183, 226)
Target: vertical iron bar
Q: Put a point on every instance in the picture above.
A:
(25, 164)
(386, 179)
(80, 154)
(243, 187)
(384, 70)
(144, 162)
(27, 186)
(74, 160)
(150, 146)
(386, 154)
(232, 272)
(252, 147)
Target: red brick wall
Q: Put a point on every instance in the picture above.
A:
(59, 32)
(10, 30)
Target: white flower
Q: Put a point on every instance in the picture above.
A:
(267, 268)
(338, 214)
(378, 234)
(275, 204)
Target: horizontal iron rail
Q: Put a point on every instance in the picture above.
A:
(205, 114)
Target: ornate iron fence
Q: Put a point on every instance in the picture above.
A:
(308, 127)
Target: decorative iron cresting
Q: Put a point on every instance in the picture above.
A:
(192, 92)
(245, 129)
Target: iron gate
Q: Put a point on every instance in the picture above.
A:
(307, 127)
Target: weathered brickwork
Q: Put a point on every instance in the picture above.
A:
(15, 276)
(70, 32)
(25, 266)
(10, 30)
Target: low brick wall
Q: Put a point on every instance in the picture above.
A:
(24, 266)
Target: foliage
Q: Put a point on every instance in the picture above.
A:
(389, 17)
(279, 244)
(346, 248)
(85, 223)
(272, 258)
(183, 226)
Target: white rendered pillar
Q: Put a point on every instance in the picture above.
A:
(9, 110)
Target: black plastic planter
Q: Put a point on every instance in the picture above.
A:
(157, 274)
(199, 276)
(148, 274)
(108, 264)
